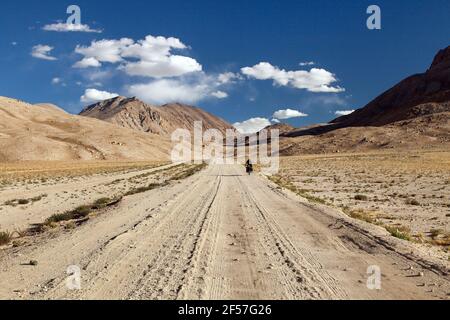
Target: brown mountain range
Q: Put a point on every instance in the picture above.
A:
(414, 114)
(46, 132)
(135, 114)
(418, 95)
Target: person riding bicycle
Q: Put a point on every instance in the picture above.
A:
(249, 167)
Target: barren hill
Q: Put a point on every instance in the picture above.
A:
(414, 114)
(135, 114)
(46, 132)
(282, 127)
(418, 95)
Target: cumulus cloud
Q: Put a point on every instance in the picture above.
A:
(105, 50)
(69, 27)
(228, 77)
(151, 57)
(220, 94)
(170, 90)
(307, 63)
(188, 89)
(42, 52)
(344, 112)
(87, 63)
(94, 95)
(252, 125)
(171, 66)
(56, 80)
(288, 114)
(315, 80)
(276, 121)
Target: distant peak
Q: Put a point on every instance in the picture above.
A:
(441, 60)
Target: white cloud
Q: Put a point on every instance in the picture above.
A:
(228, 77)
(94, 95)
(105, 50)
(96, 75)
(153, 48)
(188, 89)
(172, 66)
(42, 52)
(220, 94)
(344, 112)
(252, 125)
(169, 91)
(288, 114)
(71, 27)
(87, 62)
(151, 57)
(276, 121)
(315, 80)
(56, 80)
(14, 43)
(307, 63)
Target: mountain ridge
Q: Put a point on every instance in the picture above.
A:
(161, 120)
(46, 132)
(418, 94)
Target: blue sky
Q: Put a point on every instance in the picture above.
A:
(236, 59)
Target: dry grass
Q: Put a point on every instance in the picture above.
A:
(409, 188)
(84, 211)
(41, 171)
(400, 232)
(5, 237)
(284, 182)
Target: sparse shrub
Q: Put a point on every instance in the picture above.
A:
(59, 217)
(399, 232)
(5, 237)
(412, 202)
(102, 202)
(361, 197)
(20, 233)
(367, 216)
(81, 212)
(434, 233)
(23, 201)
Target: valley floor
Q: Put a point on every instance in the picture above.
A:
(217, 234)
(407, 192)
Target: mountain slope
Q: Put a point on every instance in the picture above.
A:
(414, 114)
(45, 132)
(135, 114)
(418, 95)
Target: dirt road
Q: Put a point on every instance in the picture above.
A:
(219, 235)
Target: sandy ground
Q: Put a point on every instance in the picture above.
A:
(409, 191)
(220, 235)
(69, 188)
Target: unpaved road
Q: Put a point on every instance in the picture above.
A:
(218, 235)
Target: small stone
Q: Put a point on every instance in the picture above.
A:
(33, 263)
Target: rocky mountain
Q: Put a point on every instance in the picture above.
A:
(282, 127)
(135, 114)
(419, 95)
(414, 114)
(46, 132)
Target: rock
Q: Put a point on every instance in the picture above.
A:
(33, 263)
